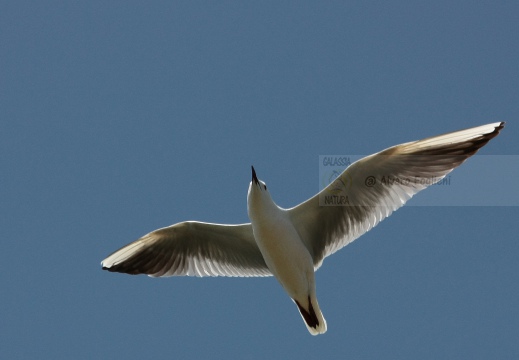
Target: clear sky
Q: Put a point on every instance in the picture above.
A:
(121, 117)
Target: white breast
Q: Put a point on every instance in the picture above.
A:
(284, 253)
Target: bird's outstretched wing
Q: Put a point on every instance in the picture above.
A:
(194, 249)
(372, 188)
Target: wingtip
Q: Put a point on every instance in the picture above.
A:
(105, 266)
(497, 129)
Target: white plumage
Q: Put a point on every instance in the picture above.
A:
(292, 243)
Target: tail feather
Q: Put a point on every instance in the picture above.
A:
(314, 321)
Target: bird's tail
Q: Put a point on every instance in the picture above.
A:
(312, 315)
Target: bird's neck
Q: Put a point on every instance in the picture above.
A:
(261, 210)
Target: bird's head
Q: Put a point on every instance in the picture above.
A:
(258, 195)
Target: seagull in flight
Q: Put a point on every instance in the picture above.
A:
(291, 244)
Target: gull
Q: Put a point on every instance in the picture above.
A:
(291, 244)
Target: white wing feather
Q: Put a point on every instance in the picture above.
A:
(203, 249)
(194, 249)
(395, 175)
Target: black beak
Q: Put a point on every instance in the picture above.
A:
(254, 177)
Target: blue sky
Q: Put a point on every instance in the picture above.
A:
(121, 117)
